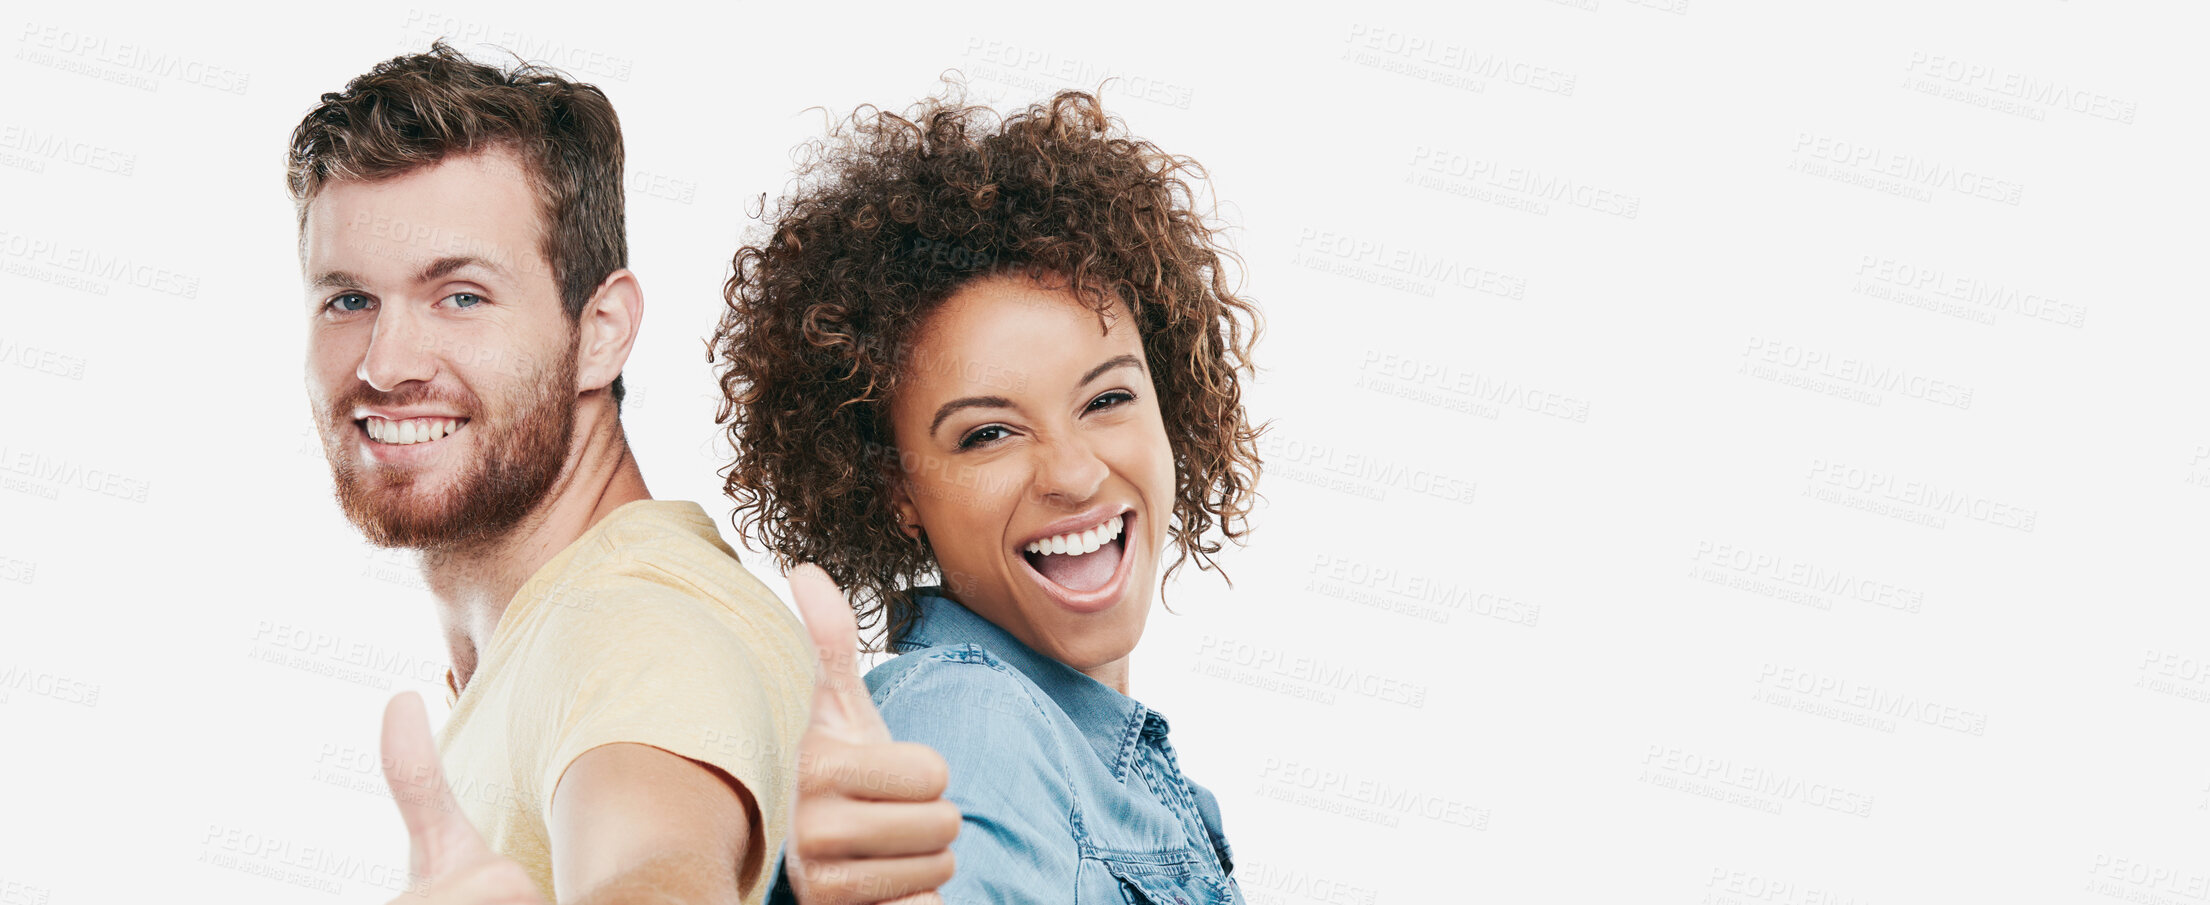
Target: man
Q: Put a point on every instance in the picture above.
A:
(627, 699)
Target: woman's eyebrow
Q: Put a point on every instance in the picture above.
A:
(967, 402)
(1117, 361)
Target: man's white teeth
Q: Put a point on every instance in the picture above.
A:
(1079, 542)
(412, 430)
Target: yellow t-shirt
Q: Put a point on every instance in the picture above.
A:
(646, 630)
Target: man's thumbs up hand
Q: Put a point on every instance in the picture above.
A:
(871, 823)
(842, 708)
(449, 860)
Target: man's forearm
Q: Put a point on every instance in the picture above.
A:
(686, 878)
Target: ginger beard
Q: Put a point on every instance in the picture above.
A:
(521, 445)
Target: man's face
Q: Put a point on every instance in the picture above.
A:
(440, 366)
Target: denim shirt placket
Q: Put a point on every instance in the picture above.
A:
(1163, 773)
(1111, 720)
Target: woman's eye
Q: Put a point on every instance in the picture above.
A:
(464, 299)
(1111, 399)
(351, 301)
(981, 435)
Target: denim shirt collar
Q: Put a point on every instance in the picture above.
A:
(1113, 722)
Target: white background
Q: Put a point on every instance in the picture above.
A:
(1827, 530)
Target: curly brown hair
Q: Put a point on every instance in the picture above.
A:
(890, 215)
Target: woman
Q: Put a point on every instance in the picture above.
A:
(1002, 355)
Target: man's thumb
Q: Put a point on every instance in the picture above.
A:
(440, 836)
(840, 700)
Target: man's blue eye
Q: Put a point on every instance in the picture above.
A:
(465, 299)
(350, 302)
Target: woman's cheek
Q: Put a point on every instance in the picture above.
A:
(979, 506)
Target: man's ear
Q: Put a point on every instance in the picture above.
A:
(607, 329)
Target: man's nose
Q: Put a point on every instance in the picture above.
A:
(399, 350)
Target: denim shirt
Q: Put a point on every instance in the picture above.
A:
(1069, 789)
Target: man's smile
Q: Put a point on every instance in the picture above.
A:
(409, 431)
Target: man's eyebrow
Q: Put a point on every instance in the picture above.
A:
(335, 279)
(438, 269)
(968, 402)
(444, 267)
(1117, 361)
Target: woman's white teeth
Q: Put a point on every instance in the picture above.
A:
(1080, 541)
(412, 430)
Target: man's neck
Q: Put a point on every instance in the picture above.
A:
(474, 583)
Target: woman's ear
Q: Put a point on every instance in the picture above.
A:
(901, 503)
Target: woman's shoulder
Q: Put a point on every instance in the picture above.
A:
(1003, 737)
(964, 680)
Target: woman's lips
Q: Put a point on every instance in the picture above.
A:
(1079, 572)
(1085, 582)
(1079, 561)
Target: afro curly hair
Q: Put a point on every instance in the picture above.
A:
(887, 217)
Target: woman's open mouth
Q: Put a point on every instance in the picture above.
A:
(1083, 570)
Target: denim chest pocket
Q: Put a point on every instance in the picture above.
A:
(1176, 883)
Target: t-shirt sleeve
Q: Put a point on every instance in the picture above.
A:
(651, 664)
(1016, 843)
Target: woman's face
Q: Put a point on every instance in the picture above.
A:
(1036, 462)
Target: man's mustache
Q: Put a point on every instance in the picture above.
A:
(412, 394)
